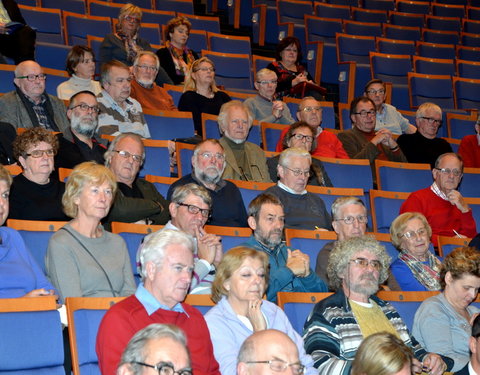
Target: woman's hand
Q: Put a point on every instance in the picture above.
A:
(254, 314)
(302, 77)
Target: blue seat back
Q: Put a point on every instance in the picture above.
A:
(466, 94)
(180, 6)
(469, 187)
(407, 310)
(404, 180)
(186, 161)
(37, 243)
(272, 135)
(79, 27)
(386, 210)
(6, 78)
(51, 55)
(231, 70)
(309, 246)
(349, 176)
(48, 24)
(166, 128)
(249, 195)
(431, 88)
(133, 241)
(298, 313)
(157, 162)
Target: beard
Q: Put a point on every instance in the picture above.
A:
(271, 239)
(146, 83)
(210, 178)
(368, 287)
(84, 125)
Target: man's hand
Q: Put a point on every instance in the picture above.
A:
(433, 364)
(384, 136)
(455, 198)
(209, 246)
(277, 108)
(296, 263)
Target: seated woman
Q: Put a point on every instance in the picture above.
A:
(416, 268)
(176, 57)
(470, 148)
(83, 259)
(289, 70)
(81, 69)
(443, 323)
(35, 194)
(239, 286)
(200, 94)
(383, 354)
(20, 275)
(301, 135)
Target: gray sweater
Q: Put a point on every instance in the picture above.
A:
(262, 111)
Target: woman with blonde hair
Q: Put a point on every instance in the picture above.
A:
(200, 93)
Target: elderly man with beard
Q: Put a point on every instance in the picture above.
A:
(338, 324)
(208, 164)
(78, 143)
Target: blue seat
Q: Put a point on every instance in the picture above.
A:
(229, 43)
(322, 29)
(151, 32)
(470, 183)
(161, 17)
(349, 173)
(309, 242)
(417, 7)
(105, 9)
(410, 33)
(470, 39)
(249, 189)
(231, 236)
(210, 24)
(385, 240)
(429, 65)
(157, 158)
(76, 6)
(468, 69)
(144, 4)
(362, 28)
(54, 78)
(162, 184)
(404, 177)
(448, 10)
(395, 46)
(47, 22)
(328, 10)
(471, 26)
(460, 125)
(379, 4)
(369, 15)
(51, 55)
(447, 244)
(7, 74)
(293, 10)
(430, 88)
(167, 125)
(181, 6)
(407, 19)
(329, 194)
(184, 158)
(443, 23)
(465, 91)
(271, 134)
(78, 26)
(440, 37)
(385, 207)
(473, 11)
(468, 53)
(174, 91)
(197, 40)
(436, 50)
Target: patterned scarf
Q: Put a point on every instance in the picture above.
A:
(130, 44)
(427, 275)
(180, 55)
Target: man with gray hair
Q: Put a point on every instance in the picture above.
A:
(244, 160)
(120, 113)
(423, 146)
(162, 347)
(144, 89)
(338, 324)
(166, 261)
(208, 164)
(263, 106)
(303, 210)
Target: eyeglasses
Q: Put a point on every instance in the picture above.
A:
(195, 210)
(298, 172)
(211, 69)
(165, 368)
(311, 109)
(278, 365)
(147, 68)
(447, 171)
(86, 108)
(364, 263)
(39, 153)
(364, 113)
(350, 219)
(272, 82)
(211, 155)
(33, 77)
(411, 233)
(375, 92)
(132, 19)
(302, 137)
(431, 120)
(125, 154)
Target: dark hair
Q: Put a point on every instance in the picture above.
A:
(74, 96)
(291, 130)
(476, 327)
(359, 99)
(175, 22)
(256, 204)
(284, 43)
(372, 82)
(75, 56)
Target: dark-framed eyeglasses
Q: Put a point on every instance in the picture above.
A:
(125, 154)
(132, 19)
(364, 113)
(375, 92)
(165, 368)
(33, 77)
(301, 137)
(87, 108)
(447, 171)
(350, 219)
(364, 263)
(205, 212)
(431, 120)
(39, 153)
(278, 365)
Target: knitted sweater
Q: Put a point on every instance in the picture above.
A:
(261, 109)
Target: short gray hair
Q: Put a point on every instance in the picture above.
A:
(426, 106)
(343, 201)
(263, 72)
(181, 192)
(113, 146)
(146, 53)
(287, 154)
(135, 350)
(225, 108)
(458, 156)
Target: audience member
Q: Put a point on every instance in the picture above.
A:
(424, 146)
(176, 57)
(443, 322)
(29, 105)
(119, 113)
(327, 143)
(83, 259)
(338, 324)
(362, 142)
(470, 148)
(244, 160)
(17, 39)
(81, 68)
(166, 263)
(162, 347)
(208, 164)
(473, 366)
(475, 242)
(200, 93)
(441, 203)
(416, 268)
(387, 115)
(35, 194)
(303, 210)
(144, 89)
(264, 107)
(289, 269)
(137, 200)
(240, 311)
(269, 352)
(301, 135)
(79, 143)
(20, 275)
(7, 136)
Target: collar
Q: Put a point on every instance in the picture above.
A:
(151, 304)
(288, 190)
(218, 186)
(264, 98)
(436, 190)
(109, 102)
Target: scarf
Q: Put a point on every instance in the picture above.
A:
(427, 275)
(130, 44)
(180, 58)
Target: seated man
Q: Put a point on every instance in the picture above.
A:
(78, 143)
(264, 107)
(423, 146)
(441, 203)
(328, 145)
(166, 264)
(119, 113)
(162, 345)
(338, 324)
(137, 200)
(208, 164)
(29, 106)
(244, 160)
(387, 115)
(144, 89)
(362, 142)
(289, 269)
(303, 210)
(473, 367)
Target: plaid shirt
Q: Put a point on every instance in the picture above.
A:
(41, 112)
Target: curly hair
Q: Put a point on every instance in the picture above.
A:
(32, 137)
(400, 223)
(128, 10)
(461, 261)
(344, 251)
(291, 130)
(175, 22)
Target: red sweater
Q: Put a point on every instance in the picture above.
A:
(470, 151)
(129, 316)
(442, 216)
(328, 145)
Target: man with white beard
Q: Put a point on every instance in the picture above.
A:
(78, 143)
(208, 164)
